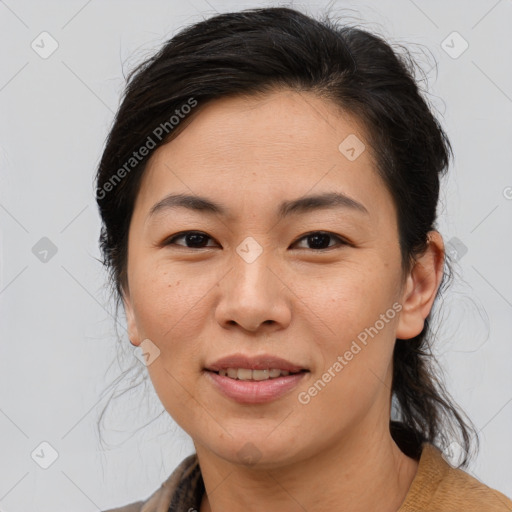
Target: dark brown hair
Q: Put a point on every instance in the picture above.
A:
(258, 50)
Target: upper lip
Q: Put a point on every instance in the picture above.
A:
(260, 362)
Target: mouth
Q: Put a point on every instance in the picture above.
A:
(254, 380)
(257, 367)
(248, 374)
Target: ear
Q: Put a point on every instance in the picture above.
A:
(133, 332)
(420, 289)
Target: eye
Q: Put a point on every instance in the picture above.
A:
(194, 239)
(320, 240)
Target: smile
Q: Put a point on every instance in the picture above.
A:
(248, 374)
(254, 386)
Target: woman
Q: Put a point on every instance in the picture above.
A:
(268, 195)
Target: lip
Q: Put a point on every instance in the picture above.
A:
(260, 362)
(254, 391)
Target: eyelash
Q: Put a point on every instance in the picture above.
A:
(341, 241)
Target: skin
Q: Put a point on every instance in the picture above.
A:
(295, 301)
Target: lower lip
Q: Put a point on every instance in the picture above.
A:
(255, 391)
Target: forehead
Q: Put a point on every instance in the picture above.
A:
(259, 150)
(283, 124)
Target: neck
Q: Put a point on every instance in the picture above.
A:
(364, 472)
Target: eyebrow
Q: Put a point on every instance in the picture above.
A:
(302, 205)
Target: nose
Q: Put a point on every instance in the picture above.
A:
(253, 295)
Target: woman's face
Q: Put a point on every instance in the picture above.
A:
(259, 280)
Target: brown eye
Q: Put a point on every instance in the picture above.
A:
(319, 240)
(193, 239)
(316, 240)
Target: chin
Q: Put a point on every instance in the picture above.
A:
(255, 452)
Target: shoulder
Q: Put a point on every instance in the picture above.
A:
(132, 507)
(441, 487)
(171, 488)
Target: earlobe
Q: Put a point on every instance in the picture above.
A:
(420, 289)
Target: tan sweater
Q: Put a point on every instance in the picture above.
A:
(437, 487)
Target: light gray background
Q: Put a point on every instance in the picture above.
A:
(57, 332)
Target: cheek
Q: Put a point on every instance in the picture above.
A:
(348, 300)
(355, 337)
(168, 312)
(166, 302)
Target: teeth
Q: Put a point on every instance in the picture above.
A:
(247, 374)
(244, 374)
(231, 372)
